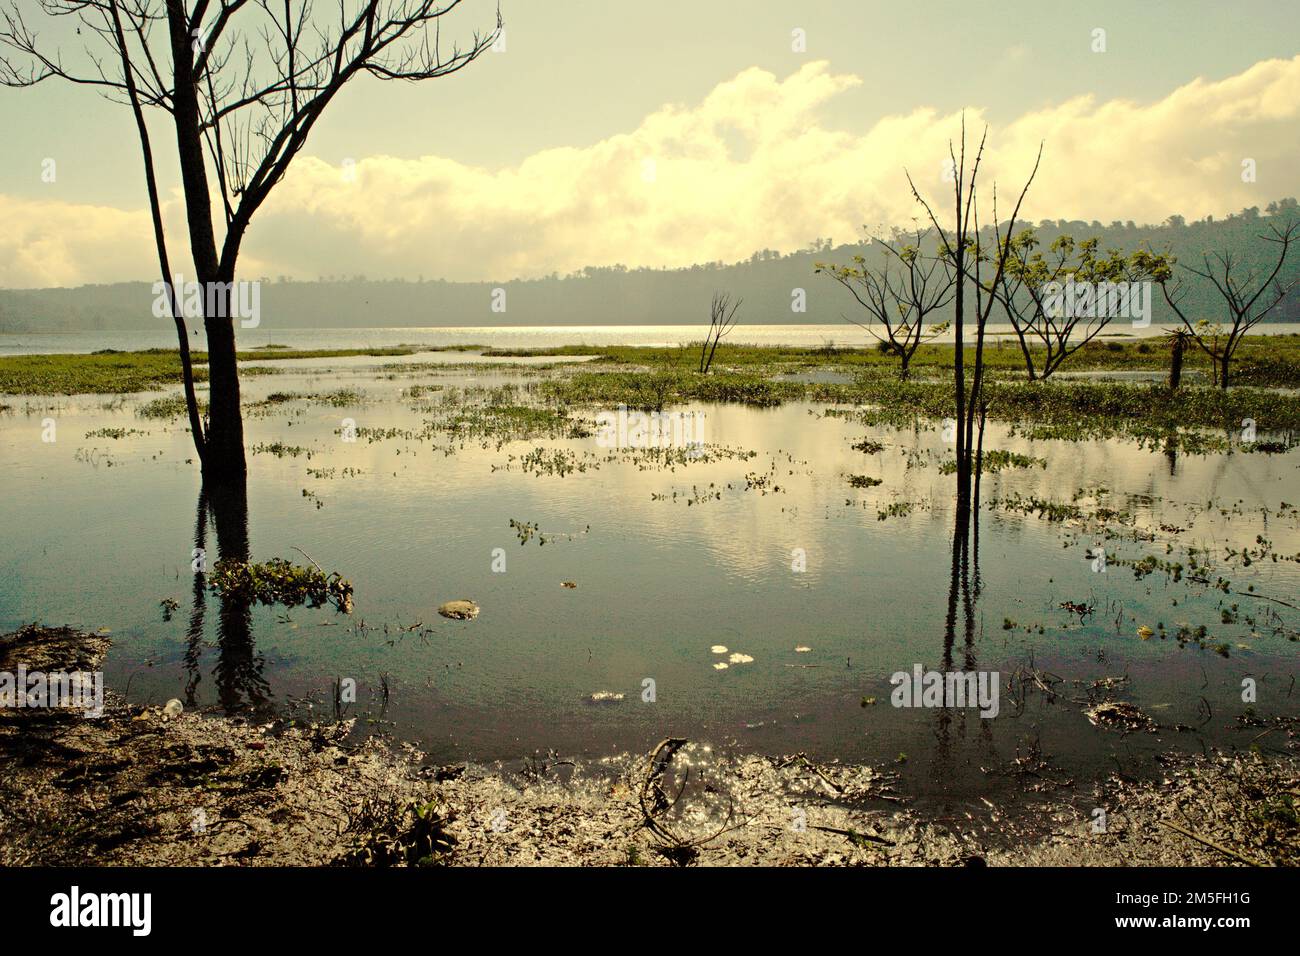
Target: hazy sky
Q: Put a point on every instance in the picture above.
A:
(673, 132)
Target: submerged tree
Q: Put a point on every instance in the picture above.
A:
(962, 247)
(244, 84)
(1176, 340)
(899, 302)
(1249, 295)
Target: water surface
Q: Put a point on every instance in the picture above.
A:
(669, 561)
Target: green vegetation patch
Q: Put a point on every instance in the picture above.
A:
(173, 406)
(280, 582)
(653, 390)
(995, 460)
(112, 372)
(101, 373)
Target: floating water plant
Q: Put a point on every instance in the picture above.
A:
(281, 582)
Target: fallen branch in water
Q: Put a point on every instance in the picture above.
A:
(856, 836)
(654, 803)
(1265, 597)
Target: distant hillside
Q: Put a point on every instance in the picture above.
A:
(617, 295)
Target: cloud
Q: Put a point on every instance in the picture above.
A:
(750, 166)
(49, 243)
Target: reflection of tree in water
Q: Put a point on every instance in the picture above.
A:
(965, 585)
(198, 607)
(238, 671)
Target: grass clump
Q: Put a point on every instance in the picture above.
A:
(173, 406)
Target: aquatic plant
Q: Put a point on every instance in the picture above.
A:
(280, 582)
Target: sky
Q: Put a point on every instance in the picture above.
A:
(678, 132)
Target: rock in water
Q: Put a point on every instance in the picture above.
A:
(459, 610)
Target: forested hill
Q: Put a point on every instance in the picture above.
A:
(617, 295)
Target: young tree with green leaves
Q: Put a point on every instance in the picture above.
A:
(907, 287)
(1030, 292)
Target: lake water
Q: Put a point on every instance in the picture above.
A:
(17, 343)
(669, 561)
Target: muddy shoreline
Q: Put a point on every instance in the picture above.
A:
(140, 786)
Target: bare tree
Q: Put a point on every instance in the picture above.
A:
(1243, 292)
(722, 319)
(900, 303)
(961, 246)
(244, 82)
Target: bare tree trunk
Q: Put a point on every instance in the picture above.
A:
(1176, 362)
(959, 386)
(225, 436)
(1029, 360)
(284, 96)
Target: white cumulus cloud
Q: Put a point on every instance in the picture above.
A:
(750, 166)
